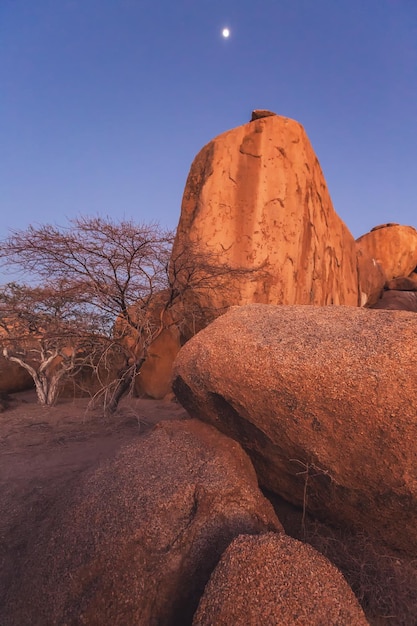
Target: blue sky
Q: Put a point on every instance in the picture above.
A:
(105, 103)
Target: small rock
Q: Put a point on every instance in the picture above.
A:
(257, 114)
(271, 580)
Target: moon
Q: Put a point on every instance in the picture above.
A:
(226, 33)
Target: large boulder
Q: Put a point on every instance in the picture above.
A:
(137, 541)
(256, 206)
(270, 580)
(394, 246)
(154, 378)
(324, 401)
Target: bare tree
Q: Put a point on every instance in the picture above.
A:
(117, 268)
(50, 332)
(116, 264)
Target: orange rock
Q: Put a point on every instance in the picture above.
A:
(154, 379)
(274, 579)
(257, 200)
(324, 401)
(392, 245)
(371, 278)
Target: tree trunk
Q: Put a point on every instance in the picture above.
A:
(47, 390)
(40, 392)
(124, 383)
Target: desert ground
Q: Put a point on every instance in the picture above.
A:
(44, 449)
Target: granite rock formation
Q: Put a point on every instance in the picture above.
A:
(399, 294)
(271, 580)
(257, 203)
(154, 378)
(372, 278)
(323, 400)
(157, 339)
(394, 246)
(137, 541)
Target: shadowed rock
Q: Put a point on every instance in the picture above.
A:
(13, 377)
(4, 401)
(397, 301)
(257, 114)
(271, 580)
(405, 283)
(138, 539)
(324, 401)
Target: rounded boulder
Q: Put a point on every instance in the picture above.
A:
(323, 399)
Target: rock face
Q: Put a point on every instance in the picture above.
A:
(394, 246)
(13, 377)
(323, 399)
(257, 203)
(273, 580)
(138, 540)
(154, 379)
(371, 278)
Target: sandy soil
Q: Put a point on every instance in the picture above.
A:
(44, 449)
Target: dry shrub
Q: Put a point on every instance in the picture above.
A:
(385, 584)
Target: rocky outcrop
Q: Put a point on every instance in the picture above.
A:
(137, 541)
(399, 294)
(323, 400)
(393, 246)
(257, 205)
(13, 377)
(154, 378)
(157, 338)
(372, 278)
(273, 580)
(397, 300)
